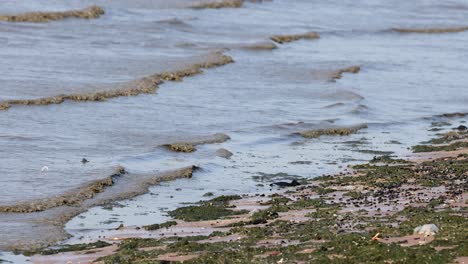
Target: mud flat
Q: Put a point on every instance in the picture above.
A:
(430, 30)
(91, 12)
(281, 39)
(146, 85)
(390, 209)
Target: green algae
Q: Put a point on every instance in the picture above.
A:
(159, 226)
(69, 248)
(431, 148)
(207, 210)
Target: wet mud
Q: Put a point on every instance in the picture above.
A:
(281, 39)
(430, 30)
(336, 131)
(146, 85)
(190, 145)
(91, 12)
(338, 74)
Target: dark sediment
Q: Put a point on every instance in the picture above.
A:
(42, 17)
(146, 85)
(430, 30)
(337, 131)
(190, 146)
(338, 74)
(290, 38)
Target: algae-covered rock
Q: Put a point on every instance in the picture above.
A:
(41, 17)
(281, 39)
(219, 4)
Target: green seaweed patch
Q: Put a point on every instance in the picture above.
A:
(159, 226)
(280, 176)
(430, 148)
(69, 248)
(208, 194)
(213, 209)
(374, 152)
(388, 160)
(440, 124)
(448, 137)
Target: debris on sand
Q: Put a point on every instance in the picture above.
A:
(42, 17)
(430, 30)
(338, 74)
(290, 38)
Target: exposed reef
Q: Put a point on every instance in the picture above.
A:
(42, 17)
(146, 85)
(281, 39)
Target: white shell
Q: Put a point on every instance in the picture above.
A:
(427, 230)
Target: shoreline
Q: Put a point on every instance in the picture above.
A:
(372, 208)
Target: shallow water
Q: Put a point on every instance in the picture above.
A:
(256, 100)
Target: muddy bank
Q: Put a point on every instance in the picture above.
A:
(218, 4)
(281, 39)
(190, 145)
(42, 17)
(32, 228)
(335, 131)
(377, 212)
(430, 30)
(146, 85)
(338, 74)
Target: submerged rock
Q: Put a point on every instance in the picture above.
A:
(224, 153)
(286, 184)
(427, 230)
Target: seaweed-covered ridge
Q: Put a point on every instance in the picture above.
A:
(146, 85)
(281, 39)
(334, 131)
(338, 74)
(430, 30)
(42, 17)
(190, 145)
(218, 4)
